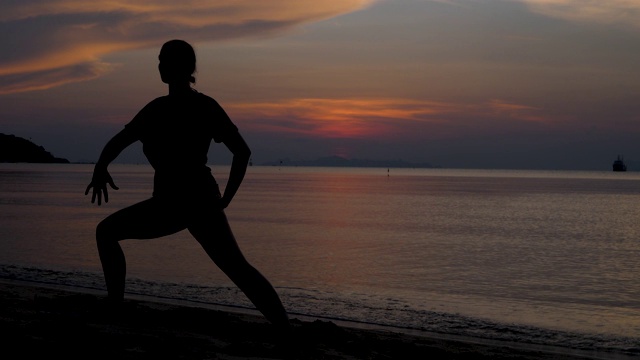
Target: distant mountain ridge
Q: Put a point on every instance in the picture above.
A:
(338, 161)
(14, 149)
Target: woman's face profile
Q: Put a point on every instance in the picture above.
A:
(169, 72)
(162, 68)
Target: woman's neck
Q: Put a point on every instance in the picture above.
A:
(179, 88)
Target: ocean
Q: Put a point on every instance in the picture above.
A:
(544, 258)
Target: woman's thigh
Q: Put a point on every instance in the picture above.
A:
(148, 219)
(214, 234)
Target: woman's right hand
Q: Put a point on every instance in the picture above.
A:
(101, 178)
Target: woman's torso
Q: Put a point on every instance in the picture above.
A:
(176, 133)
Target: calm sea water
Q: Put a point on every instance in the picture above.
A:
(540, 257)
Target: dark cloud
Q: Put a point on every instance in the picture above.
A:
(59, 41)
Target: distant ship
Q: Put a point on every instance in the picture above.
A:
(619, 164)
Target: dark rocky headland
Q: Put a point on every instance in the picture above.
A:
(14, 149)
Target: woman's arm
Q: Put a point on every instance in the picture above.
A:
(101, 176)
(241, 154)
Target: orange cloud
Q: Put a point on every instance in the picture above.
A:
(376, 117)
(625, 12)
(188, 12)
(57, 36)
(45, 79)
(328, 117)
(515, 111)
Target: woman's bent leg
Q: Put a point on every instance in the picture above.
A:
(145, 220)
(113, 262)
(218, 241)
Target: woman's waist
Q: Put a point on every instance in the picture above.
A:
(185, 182)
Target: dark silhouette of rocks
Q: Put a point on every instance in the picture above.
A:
(14, 149)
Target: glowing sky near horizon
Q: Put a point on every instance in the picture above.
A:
(485, 83)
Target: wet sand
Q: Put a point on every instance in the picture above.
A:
(42, 322)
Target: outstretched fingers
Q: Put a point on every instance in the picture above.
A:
(97, 193)
(106, 194)
(112, 184)
(100, 188)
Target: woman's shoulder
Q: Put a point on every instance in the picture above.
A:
(157, 101)
(196, 100)
(204, 98)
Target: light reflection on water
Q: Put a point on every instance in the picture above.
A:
(547, 248)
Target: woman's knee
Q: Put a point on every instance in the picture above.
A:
(105, 232)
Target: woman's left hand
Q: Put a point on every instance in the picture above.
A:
(101, 178)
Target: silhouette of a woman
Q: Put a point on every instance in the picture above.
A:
(176, 131)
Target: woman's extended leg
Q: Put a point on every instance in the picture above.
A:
(218, 241)
(145, 220)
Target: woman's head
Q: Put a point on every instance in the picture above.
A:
(177, 62)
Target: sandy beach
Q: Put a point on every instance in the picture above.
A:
(40, 322)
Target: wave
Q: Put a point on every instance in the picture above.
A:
(353, 309)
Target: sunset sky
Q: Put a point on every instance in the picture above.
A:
(539, 84)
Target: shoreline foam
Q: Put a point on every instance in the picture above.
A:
(52, 321)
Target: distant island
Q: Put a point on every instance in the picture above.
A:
(14, 149)
(338, 161)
